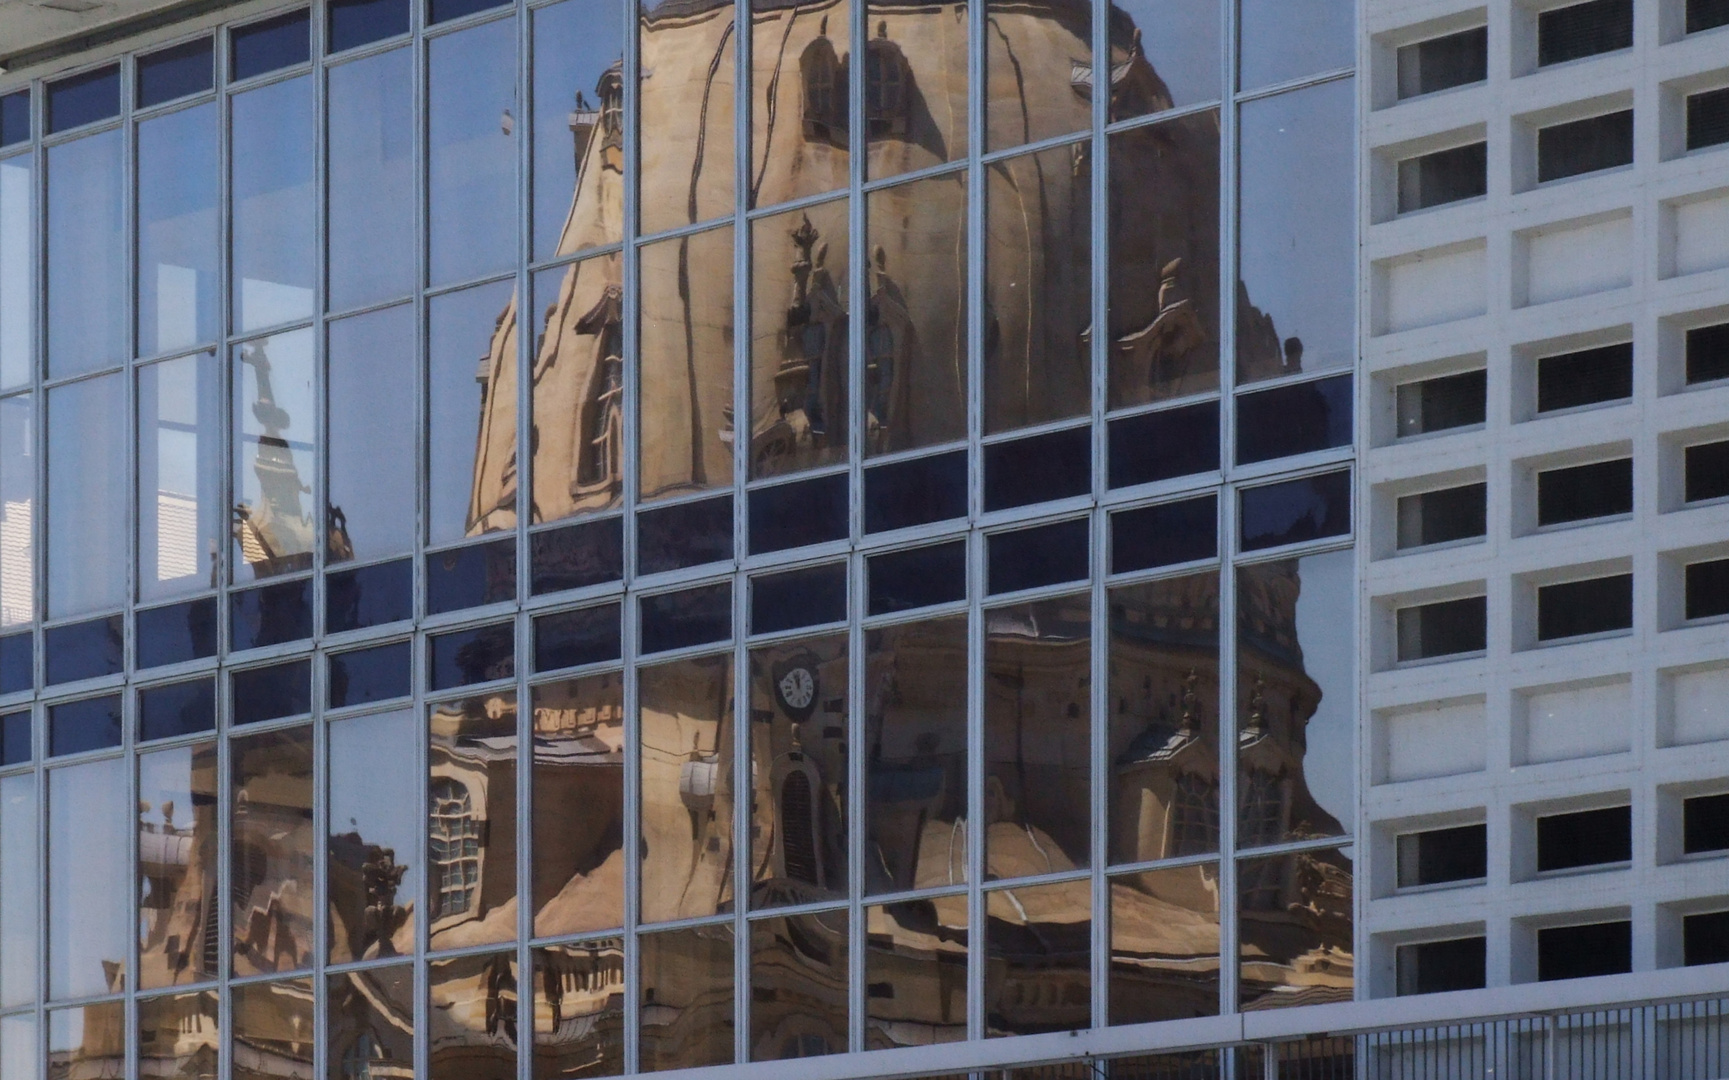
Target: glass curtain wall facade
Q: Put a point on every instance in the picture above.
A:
(893, 587)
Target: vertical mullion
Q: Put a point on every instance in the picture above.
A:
(977, 20)
(1099, 276)
(527, 307)
(628, 614)
(320, 538)
(129, 545)
(742, 97)
(1227, 590)
(38, 214)
(858, 304)
(422, 981)
(225, 556)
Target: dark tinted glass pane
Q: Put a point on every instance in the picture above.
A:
(915, 492)
(366, 675)
(1708, 119)
(1586, 838)
(688, 534)
(179, 709)
(1438, 404)
(1708, 353)
(1442, 855)
(1705, 937)
(174, 73)
(84, 725)
(1040, 468)
(1461, 172)
(572, 638)
(471, 576)
(1578, 952)
(797, 598)
(797, 514)
(1163, 445)
(86, 650)
(1705, 824)
(1593, 606)
(270, 693)
(1582, 146)
(1435, 967)
(14, 118)
(591, 553)
(681, 619)
(84, 99)
(901, 580)
(1294, 419)
(1597, 26)
(444, 10)
(1296, 510)
(268, 45)
(1705, 14)
(175, 634)
(1707, 469)
(1708, 589)
(1442, 516)
(1581, 492)
(1585, 377)
(1168, 533)
(369, 596)
(471, 656)
(15, 738)
(357, 22)
(16, 663)
(1046, 555)
(271, 615)
(1446, 628)
(1444, 62)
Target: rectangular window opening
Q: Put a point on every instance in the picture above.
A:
(1580, 30)
(1585, 377)
(1442, 403)
(1585, 146)
(1441, 63)
(1445, 176)
(1571, 609)
(1442, 516)
(1584, 838)
(1443, 856)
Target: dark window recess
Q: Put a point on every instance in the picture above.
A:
(271, 615)
(15, 738)
(1294, 419)
(177, 709)
(916, 492)
(1585, 146)
(1705, 824)
(1705, 938)
(1163, 445)
(918, 577)
(369, 596)
(1444, 628)
(1707, 589)
(15, 118)
(1445, 176)
(798, 598)
(1165, 533)
(1435, 967)
(84, 99)
(1585, 838)
(1707, 353)
(1442, 63)
(1708, 119)
(1307, 509)
(685, 534)
(17, 665)
(86, 650)
(367, 675)
(576, 556)
(1443, 515)
(271, 693)
(445, 10)
(1707, 469)
(1583, 492)
(1057, 465)
(1439, 404)
(358, 22)
(1580, 30)
(481, 654)
(1439, 856)
(683, 619)
(1044, 555)
(1586, 377)
(1706, 14)
(266, 46)
(1579, 952)
(177, 633)
(1592, 606)
(92, 724)
(798, 514)
(470, 576)
(177, 72)
(591, 635)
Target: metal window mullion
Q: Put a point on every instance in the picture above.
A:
(1099, 359)
(742, 427)
(1227, 531)
(527, 305)
(421, 1008)
(631, 302)
(978, 16)
(225, 557)
(858, 306)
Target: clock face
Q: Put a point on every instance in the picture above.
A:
(797, 688)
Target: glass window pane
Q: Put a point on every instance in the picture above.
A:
(573, 638)
(798, 514)
(270, 863)
(374, 836)
(578, 811)
(575, 556)
(179, 292)
(798, 982)
(1294, 929)
(273, 1027)
(471, 827)
(800, 122)
(17, 510)
(354, 23)
(1164, 54)
(15, 117)
(89, 1040)
(798, 747)
(471, 151)
(364, 676)
(275, 203)
(370, 596)
(687, 997)
(1164, 534)
(1165, 944)
(371, 435)
(272, 693)
(175, 72)
(1039, 72)
(685, 111)
(18, 1054)
(86, 650)
(371, 151)
(17, 272)
(370, 1022)
(471, 394)
(687, 800)
(180, 505)
(269, 45)
(915, 86)
(275, 418)
(473, 1017)
(681, 620)
(578, 127)
(805, 597)
(579, 1010)
(177, 875)
(86, 255)
(270, 615)
(84, 99)
(1038, 948)
(686, 348)
(1291, 511)
(1287, 39)
(177, 709)
(87, 496)
(87, 931)
(174, 634)
(578, 386)
(916, 973)
(684, 534)
(20, 923)
(179, 1035)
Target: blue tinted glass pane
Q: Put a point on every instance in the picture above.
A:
(84, 99)
(371, 435)
(87, 279)
(572, 638)
(173, 635)
(1296, 510)
(1287, 39)
(471, 151)
(591, 553)
(357, 22)
(86, 650)
(273, 692)
(14, 118)
(681, 619)
(371, 152)
(16, 663)
(1165, 534)
(180, 709)
(367, 675)
(1163, 445)
(916, 492)
(14, 738)
(445, 10)
(1046, 555)
(1058, 465)
(686, 534)
(271, 615)
(87, 480)
(179, 236)
(176, 72)
(77, 726)
(1294, 420)
(275, 207)
(269, 45)
(901, 580)
(798, 598)
(472, 656)
(181, 516)
(797, 514)
(471, 576)
(369, 596)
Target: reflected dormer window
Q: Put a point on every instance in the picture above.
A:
(888, 81)
(825, 97)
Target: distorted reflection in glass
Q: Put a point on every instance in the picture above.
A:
(17, 272)
(686, 348)
(1287, 39)
(17, 510)
(273, 1030)
(578, 387)
(471, 152)
(800, 125)
(20, 926)
(915, 86)
(471, 1025)
(87, 481)
(916, 973)
(687, 998)
(1164, 54)
(179, 291)
(1296, 776)
(275, 204)
(578, 811)
(798, 352)
(18, 1056)
(1294, 929)
(687, 800)
(369, 1018)
(1164, 260)
(1038, 757)
(87, 280)
(180, 511)
(579, 1010)
(471, 398)
(1165, 944)
(179, 1035)
(275, 421)
(915, 755)
(798, 749)
(371, 378)
(1038, 287)
(371, 166)
(177, 875)
(685, 113)
(374, 855)
(1164, 719)
(1296, 293)
(1038, 72)
(1038, 969)
(471, 823)
(578, 78)
(87, 872)
(89, 1040)
(798, 986)
(271, 845)
(915, 325)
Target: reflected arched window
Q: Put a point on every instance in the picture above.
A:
(600, 449)
(825, 81)
(454, 849)
(1194, 815)
(888, 86)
